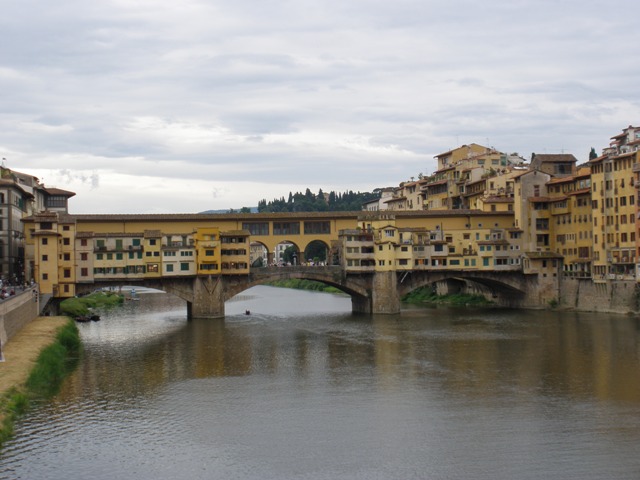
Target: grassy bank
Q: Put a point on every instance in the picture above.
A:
(426, 295)
(82, 306)
(53, 364)
(304, 285)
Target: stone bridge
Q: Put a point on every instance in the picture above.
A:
(371, 292)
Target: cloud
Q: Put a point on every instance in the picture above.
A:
(265, 95)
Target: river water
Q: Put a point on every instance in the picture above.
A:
(303, 389)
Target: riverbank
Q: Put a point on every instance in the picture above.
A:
(298, 284)
(426, 296)
(20, 359)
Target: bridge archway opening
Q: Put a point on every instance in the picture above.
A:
(328, 275)
(316, 253)
(259, 255)
(287, 253)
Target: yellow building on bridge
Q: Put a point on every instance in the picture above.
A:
(65, 251)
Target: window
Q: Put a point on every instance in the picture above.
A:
(45, 258)
(286, 228)
(66, 241)
(84, 256)
(311, 228)
(83, 242)
(99, 256)
(152, 268)
(169, 267)
(45, 276)
(152, 241)
(67, 273)
(208, 266)
(65, 228)
(256, 228)
(184, 266)
(209, 253)
(45, 241)
(67, 257)
(56, 201)
(542, 224)
(84, 272)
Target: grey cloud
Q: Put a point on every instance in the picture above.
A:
(359, 90)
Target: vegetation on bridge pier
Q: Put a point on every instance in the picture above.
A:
(82, 306)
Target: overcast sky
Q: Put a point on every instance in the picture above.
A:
(152, 106)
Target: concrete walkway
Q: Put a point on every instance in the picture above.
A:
(21, 352)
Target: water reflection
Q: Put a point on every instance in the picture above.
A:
(287, 392)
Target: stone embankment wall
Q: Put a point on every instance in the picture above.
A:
(616, 296)
(16, 312)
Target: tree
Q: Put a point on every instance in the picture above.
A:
(316, 251)
(288, 254)
(593, 154)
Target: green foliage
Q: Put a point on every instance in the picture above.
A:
(320, 202)
(79, 306)
(287, 255)
(317, 251)
(13, 404)
(304, 285)
(53, 364)
(426, 295)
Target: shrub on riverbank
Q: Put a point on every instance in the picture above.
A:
(426, 295)
(81, 306)
(53, 364)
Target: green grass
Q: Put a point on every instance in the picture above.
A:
(53, 364)
(80, 306)
(426, 295)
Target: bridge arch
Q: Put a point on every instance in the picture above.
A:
(333, 276)
(504, 289)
